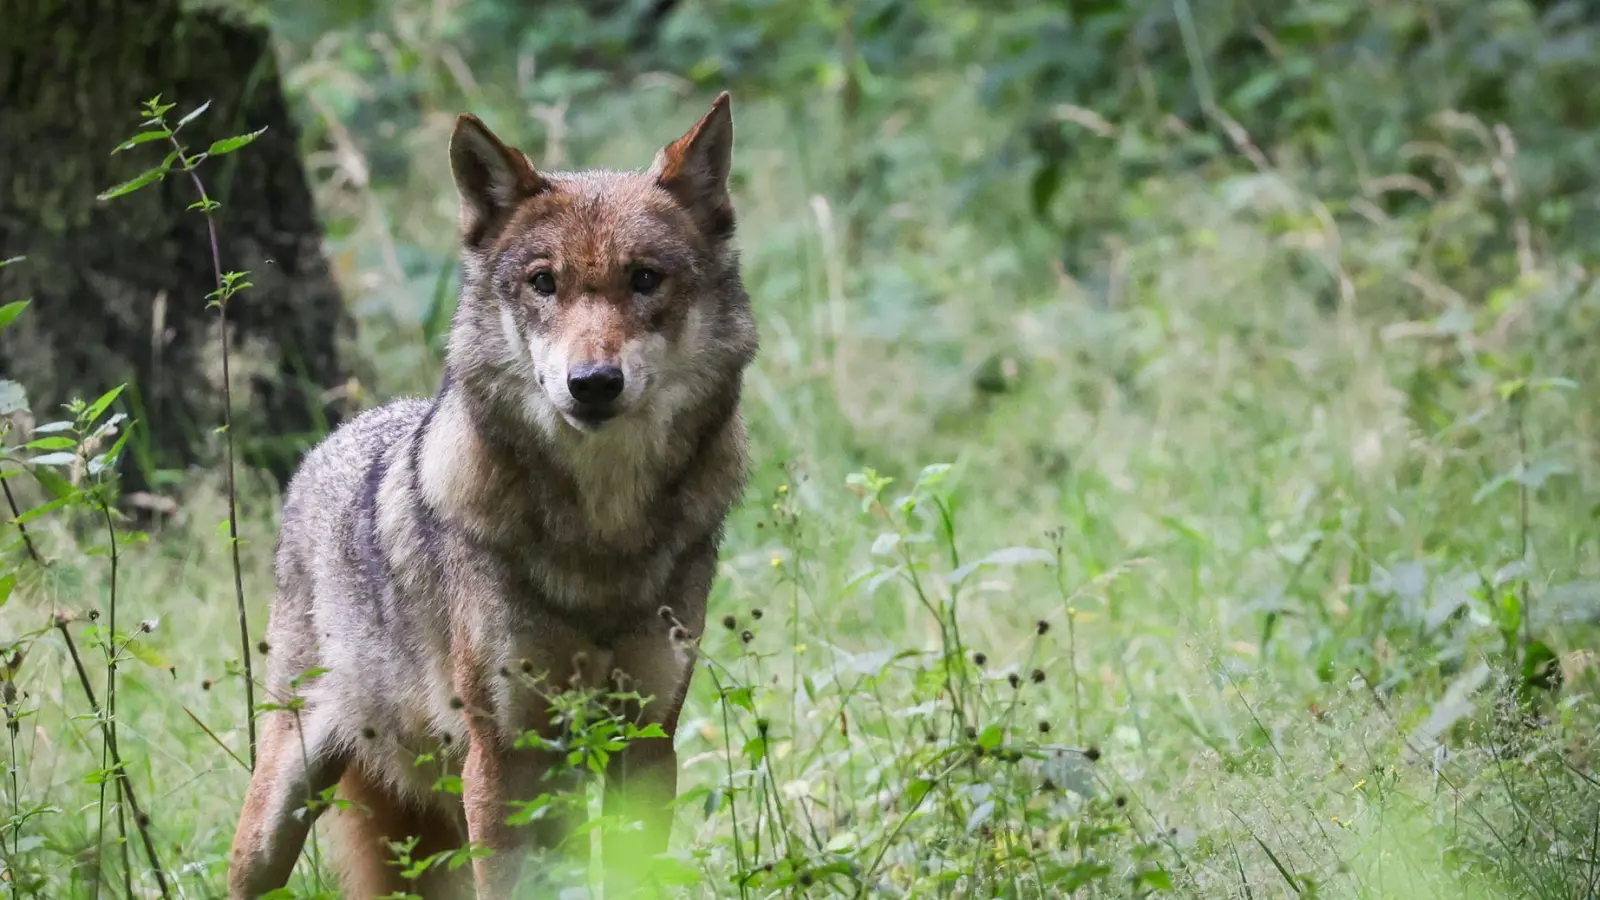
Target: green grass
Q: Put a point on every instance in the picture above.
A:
(1270, 556)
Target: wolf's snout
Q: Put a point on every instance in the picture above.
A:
(594, 385)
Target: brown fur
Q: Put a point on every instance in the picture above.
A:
(437, 554)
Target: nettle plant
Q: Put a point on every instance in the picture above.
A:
(154, 129)
(73, 463)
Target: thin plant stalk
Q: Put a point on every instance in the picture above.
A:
(22, 528)
(206, 206)
(141, 821)
(110, 732)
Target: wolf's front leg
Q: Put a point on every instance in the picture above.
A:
(496, 779)
(486, 794)
(641, 785)
(642, 780)
(298, 760)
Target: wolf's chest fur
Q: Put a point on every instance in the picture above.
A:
(587, 525)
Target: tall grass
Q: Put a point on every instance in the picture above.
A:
(1196, 571)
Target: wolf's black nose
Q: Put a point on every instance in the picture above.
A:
(594, 384)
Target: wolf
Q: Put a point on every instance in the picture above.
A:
(553, 512)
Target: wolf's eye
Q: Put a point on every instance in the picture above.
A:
(544, 282)
(645, 281)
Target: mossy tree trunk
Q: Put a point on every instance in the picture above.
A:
(119, 287)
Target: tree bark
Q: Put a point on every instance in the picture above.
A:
(119, 287)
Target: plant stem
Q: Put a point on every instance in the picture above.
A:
(227, 428)
(16, 514)
(111, 703)
(1522, 514)
(139, 818)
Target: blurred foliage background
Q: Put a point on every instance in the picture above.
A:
(1276, 319)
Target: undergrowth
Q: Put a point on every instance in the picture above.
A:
(1225, 579)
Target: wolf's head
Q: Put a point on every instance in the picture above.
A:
(597, 296)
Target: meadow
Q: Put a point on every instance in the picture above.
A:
(1238, 550)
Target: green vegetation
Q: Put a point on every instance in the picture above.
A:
(1176, 441)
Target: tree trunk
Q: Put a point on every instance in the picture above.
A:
(119, 287)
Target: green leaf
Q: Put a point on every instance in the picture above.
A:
(1156, 880)
(196, 113)
(148, 655)
(10, 311)
(99, 406)
(54, 459)
(13, 398)
(14, 259)
(51, 443)
(109, 458)
(133, 184)
(51, 480)
(1043, 187)
(1008, 556)
(1541, 668)
(8, 583)
(308, 675)
(228, 145)
(991, 737)
(143, 137)
(43, 509)
(652, 730)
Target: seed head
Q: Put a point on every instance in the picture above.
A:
(747, 635)
(368, 732)
(1043, 627)
(756, 613)
(980, 659)
(1037, 676)
(1092, 754)
(262, 648)
(1015, 680)
(94, 615)
(729, 622)
(1044, 727)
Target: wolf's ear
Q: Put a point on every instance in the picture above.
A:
(694, 169)
(490, 177)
